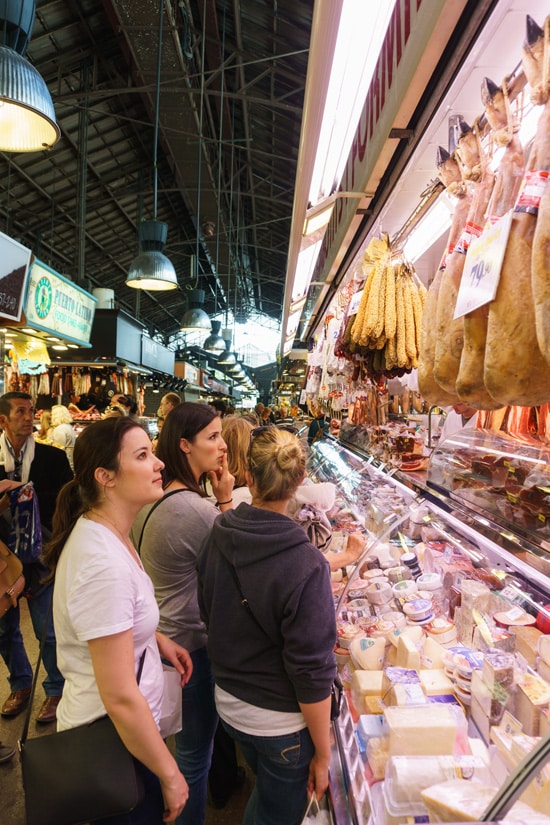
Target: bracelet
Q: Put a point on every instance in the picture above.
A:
(221, 503)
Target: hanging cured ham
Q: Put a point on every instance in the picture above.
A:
(536, 67)
(450, 331)
(515, 369)
(450, 176)
(470, 384)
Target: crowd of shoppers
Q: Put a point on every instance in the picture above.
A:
(212, 480)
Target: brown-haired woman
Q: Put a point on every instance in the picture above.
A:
(105, 612)
(169, 537)
(236, 434)
(273, 659)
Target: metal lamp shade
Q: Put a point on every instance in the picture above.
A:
(214, 342)
(27, 116)
(227, 360)
(194, 318)
(153, 271)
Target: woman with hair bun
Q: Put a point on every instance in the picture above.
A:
(266, 598)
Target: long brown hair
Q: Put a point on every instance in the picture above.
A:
(236, 434)
(184, 421)
(99, 445)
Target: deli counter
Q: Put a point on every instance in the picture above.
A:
(442, 632)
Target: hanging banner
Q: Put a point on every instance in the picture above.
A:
(56, 305)
(14, 274)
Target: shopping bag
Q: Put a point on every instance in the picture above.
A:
(170, 716)
(316, 813)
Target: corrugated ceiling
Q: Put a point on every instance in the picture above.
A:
(232, 78)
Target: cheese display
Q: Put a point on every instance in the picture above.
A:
(459, 800)
(407, 729)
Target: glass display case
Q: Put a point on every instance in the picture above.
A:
(439, 625)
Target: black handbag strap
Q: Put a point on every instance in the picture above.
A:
(154, 507)
(245, 603)
(25, 731)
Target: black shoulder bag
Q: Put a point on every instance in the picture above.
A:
(336, 687)
(80, 774)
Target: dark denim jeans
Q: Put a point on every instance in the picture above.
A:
(12, 648)
(281, 767)
(194, 742)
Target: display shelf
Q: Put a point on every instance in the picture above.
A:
(449, 534)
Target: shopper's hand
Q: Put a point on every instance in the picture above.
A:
(355, 545)
(176, 794)
(7, 485)
(222, 481)
(318, 776)
(177, 655)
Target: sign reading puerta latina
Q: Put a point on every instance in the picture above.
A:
(14, 272)
(56, 305)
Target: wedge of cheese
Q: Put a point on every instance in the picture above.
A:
(460, 800)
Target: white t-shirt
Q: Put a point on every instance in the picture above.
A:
(100, 591)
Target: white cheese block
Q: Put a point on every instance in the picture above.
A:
(365, 683)
(531, 697)
(408, 654)
(368, 653)
(435, 682)
(432, 653)
(459, 800)
(406, 695)
(423, 730)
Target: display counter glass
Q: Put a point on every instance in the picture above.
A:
(439, 625)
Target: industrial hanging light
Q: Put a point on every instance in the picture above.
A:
(27, 116)
(194, 318)
(151, 269)
(228, 358)
(215, 343)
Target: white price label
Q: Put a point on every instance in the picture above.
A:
(481, 274)
(354, 303)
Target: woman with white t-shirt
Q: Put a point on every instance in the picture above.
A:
(105, 612)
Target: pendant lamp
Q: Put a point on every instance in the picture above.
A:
(194, 318)
(151, 269)
(27, 116)
(215, 343)
(228, 358)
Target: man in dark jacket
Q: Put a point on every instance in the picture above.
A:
(23, 459)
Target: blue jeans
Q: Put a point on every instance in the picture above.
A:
(13, 650)
(194, 742)
(150, 809)
(281, 767)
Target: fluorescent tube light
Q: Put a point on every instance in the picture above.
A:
(361, 32)
(430, 228)
(304, 270)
